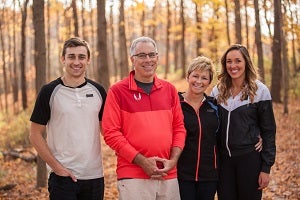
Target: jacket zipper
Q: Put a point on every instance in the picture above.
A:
(199, 145)
(215, 157)
(227, 133)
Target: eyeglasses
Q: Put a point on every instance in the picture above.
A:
(144, 55)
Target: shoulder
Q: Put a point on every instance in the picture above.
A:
(49, 87)
(262, 92)
(99, 87)
(215, 91)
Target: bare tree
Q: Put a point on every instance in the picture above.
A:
(23, 54)
(238, 23)
(268, 21)
(293, 27)
(48, 39)
(182, 41)
(4, 71)
(198, 13)
(227, 23)
(276, 57)
(84, 31)
(258, 42)
(102, 70)
(40, 71)
(15, 84)
(112, 38)
(285, 63)
(247, 22)
(75, 17)
(167, 68)
(154, 16)
(122, 42)
(142, 19)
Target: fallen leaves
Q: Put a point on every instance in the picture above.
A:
(285, 174)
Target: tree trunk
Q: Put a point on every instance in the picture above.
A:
(5, 85)
(293, 32)
(276, 57)
(198, 10)
(285, 67)
(48, 61)
(84, 31)
(112, 38)
(15, 84)
(122, 41)
(154, 16)
(268, 22)
(92, 42)
(40, 71)
(142, 19)
(247, 24)
(75, 18)
(167, 68)
(23, 55)
(227, 23)
(258, 42)
(182, 41)
(238, 23)
(102, 70)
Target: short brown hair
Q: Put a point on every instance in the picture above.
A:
(75, 42)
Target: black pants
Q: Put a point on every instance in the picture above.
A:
(239, 177)
(65, 188)
(197, 190)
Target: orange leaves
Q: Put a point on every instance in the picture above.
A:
(285, 174)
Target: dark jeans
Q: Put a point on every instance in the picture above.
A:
(197, 190)
(238, 178)
(65, 188)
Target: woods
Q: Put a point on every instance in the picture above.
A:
(32, 32)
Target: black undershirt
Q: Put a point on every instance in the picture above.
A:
(145, 86)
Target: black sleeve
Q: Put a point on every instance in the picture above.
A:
(267, 126)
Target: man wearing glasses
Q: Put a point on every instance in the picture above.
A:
(143, 124)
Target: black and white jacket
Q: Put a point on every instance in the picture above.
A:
(243, 122)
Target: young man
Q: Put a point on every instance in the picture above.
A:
(143, 123)
(70, 110)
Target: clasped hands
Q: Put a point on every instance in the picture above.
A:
(157, 167)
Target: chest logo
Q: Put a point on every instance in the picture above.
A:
(137, 98)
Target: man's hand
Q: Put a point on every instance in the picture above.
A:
(150, 166)
(65, 172)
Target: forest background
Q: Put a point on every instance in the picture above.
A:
(32, 33)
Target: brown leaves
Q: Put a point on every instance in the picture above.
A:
(285, 174)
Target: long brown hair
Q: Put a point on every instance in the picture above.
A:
(224, 85)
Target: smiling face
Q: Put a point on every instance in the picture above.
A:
(198, 81)
(235, 65)
(75, 61)
(145, 68)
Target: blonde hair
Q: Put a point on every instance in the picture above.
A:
(201, 63)
(249, 88)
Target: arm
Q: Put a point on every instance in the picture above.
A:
(40, 144)
(267, 126)
(112, 125)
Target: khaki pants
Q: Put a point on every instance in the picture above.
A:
(148, 189)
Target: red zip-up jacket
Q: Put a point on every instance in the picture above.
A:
(136, 122)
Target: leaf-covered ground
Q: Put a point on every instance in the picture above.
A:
(285, 183)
